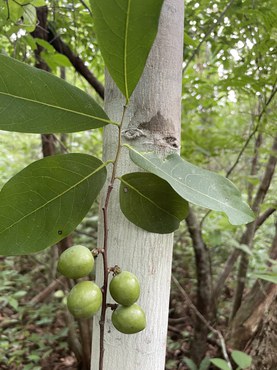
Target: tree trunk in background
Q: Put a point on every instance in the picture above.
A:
(152, 121)
(253, 311)
(251, 228)
(263, 347)
(204, 302)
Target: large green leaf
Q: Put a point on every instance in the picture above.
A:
(271, 277)
(198, 186)
(221, 364)
(150, 203)
(32, 100)
(241, 359)
(47, 200)
(126, 30)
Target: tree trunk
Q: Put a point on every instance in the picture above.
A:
(204, 302)
(152, 121)
(263, 348)
(253, 309)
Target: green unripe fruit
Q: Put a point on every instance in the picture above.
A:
(76, 262)
(84, 299)
(124, 288)
(129, 320)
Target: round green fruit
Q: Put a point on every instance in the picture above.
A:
(124, 288)
(129, 320)
(76, 262)
(84, 299)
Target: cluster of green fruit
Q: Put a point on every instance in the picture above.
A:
(129, 317)
(85, 298)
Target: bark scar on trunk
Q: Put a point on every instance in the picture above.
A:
(158, 130)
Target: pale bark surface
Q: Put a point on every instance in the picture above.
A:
(152, 121)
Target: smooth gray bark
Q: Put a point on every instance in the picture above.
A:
(152, 121)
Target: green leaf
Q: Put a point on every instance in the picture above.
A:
(126, 30)
(35, 101)
(268, 277)
(15, 10)
(190, 364)
(244, 248)
(22, 2)
(150, 203)
(196, 185)
(61, 60)
(189, 41)
(47, 200)
(221, 364)
(55, 60)
(38, 3)
(13, 303)
(205, 364)
(241, 359)
(45, 44)
(30, 17)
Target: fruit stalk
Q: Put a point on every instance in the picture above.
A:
(105, 246)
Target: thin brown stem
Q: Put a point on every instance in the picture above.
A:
(105, 245)
(208, 33)
(228, 173)
(264, 216)
(273, 92)
(205, 322)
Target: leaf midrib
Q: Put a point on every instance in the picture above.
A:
(125, 50)
(53, 199)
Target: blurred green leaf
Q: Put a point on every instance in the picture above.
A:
(29, 17)
(190, 364)
(221, 364)
(241, 359)
(268, 277)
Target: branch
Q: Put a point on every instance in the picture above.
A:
(251, 228)
(266, 180)
(248, 235)
(41, 296)
(225, 273)
(76, 61)
(274, 90)
(273, 249)
(85, 6)
(254, 166)
(203, 265)
(204, 287)
(205, 322)
(210, 30)
(263, 217)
